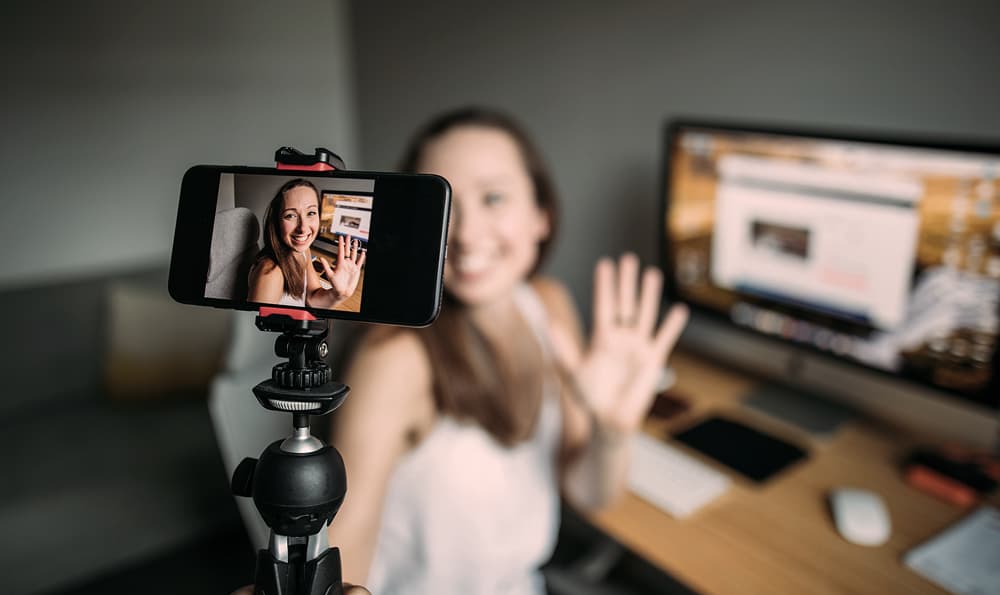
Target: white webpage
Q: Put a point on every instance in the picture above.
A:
(841, 240)
(351, 221)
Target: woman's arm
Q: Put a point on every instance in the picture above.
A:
(590, 470)
(267, 283)
(390, 400)
(610, 380)
(565, 328)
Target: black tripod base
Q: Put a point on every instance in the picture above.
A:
(315, 577)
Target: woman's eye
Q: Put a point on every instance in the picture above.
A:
(492, 198)
(311, 214)
(289, 216)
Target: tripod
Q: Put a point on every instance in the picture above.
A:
(298, 483)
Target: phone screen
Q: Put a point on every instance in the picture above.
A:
(326, 215)
(365, 246)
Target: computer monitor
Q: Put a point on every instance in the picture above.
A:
(344, 214)
(861, 268)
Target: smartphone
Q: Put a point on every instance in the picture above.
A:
(248, 237)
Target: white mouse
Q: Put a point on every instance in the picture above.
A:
(860, 516)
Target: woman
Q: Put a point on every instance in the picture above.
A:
(459, 437)
(282, 274)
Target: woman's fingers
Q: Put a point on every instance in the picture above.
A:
(635, 404)
(669, 331)
(341, 250)
(649, 301)
(358, 253)
(604, 297)
(621, 301)
(628, 275)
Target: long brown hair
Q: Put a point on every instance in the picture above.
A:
(472, 380)
(275, 248)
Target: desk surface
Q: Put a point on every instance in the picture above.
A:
(779, 537)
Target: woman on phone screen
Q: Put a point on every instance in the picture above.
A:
(283, 273)
(459, 438)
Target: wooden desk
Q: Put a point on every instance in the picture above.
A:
(779, 537)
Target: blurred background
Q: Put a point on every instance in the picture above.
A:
(114, 464)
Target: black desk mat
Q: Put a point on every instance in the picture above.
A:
(746, 450)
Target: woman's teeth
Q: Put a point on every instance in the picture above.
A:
(472, 264)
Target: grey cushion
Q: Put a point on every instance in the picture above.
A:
(234, 245)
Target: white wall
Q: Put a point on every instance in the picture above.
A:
(107, 103)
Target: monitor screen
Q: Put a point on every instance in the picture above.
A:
(880, 253)
(348, 215)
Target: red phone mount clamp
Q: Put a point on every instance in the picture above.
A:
(321, 160)
(280, 320)
(298, 483)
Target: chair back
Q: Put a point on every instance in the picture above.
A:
(234, 246)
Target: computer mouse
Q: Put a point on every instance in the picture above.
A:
(860, 516)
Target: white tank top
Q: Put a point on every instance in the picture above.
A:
(465, 514)
(291, 300)
(288, 299)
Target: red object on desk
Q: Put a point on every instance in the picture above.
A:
(941, 486)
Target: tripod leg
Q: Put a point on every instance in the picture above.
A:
(320, 576)
(323, 574)
(272, 577)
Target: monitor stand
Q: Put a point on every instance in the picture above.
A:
(816, 415)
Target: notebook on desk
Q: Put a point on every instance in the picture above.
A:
(964, 558)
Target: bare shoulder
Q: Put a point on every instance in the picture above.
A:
(267, 282)
(557, 299)
(391, 373)
(265, 266)
(396, 350)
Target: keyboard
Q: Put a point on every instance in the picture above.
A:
(671, 479)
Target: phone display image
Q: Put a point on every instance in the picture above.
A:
(301, 257)
(346, 215)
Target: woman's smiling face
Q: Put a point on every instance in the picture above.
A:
(496, 222)
(300, 218)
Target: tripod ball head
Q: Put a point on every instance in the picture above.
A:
(296, 494)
